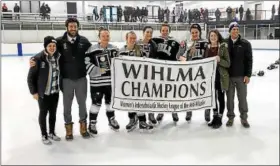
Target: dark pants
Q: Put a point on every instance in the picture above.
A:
(220, 97)
(79, 88)
(238, 84)
(97, 94)
(48, 104)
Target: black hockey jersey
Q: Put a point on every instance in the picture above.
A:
(200, 48)
(149, 49)
(96, 58)
(167, 49)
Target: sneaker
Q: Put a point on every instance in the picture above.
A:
(229, 123)
(45, 140)
(218, 123)
(245, 123)
(54, 137)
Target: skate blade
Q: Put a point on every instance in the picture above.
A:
(152, 124)
(146, 131)
(130, 130)
(175, 123)
(92, 135)
(116, 130)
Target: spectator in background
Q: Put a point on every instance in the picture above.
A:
(218, 14)
(279, 12)
(16, 10)
(173, 15)
(4, 8)
(229, 13)
(240, 71)
(43, 12)
(96, 16)
(273, 12)
(206, 14)
(190, 16)
(185, 15)
(48, 11)
(241, 11)
(146, 14)
(248, 15)
(167, 12)
(119, 13)
(270, 36)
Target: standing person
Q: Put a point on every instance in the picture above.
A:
(168, 49)
(72, 48)
(240, 71)
(43, 80)
(149, 49)
(133, 49)
(196, 51)
(241, 11)
(98, 60)
(219, 49)
(16, 10)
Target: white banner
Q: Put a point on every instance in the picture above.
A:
(150, 85)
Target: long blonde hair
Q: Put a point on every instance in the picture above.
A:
(136, 48)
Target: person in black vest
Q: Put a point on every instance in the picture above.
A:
(240, 71)
(43, 83)
(72, 48)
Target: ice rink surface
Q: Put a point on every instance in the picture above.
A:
(186, 143)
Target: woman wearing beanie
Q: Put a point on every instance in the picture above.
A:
(194, 52)
(217, 48)
(43, 83)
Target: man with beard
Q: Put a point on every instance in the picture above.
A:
(72, 48)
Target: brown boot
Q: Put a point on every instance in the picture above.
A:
(83, 129)
(69, 131)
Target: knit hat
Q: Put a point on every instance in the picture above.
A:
(48, 40)
(196, 26)
(232, 25)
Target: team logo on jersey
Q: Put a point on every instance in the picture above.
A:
(65, 46)
(43, 65)
(102, 59)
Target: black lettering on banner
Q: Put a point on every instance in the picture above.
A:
(157, 91)
(169, 74)
(136, 88)
(146, 72)
(146, 90)
(200, 72)
(181, 91)
(181, 74)
(161, 72)
(131, 68)
(124, 88)
(202, 87)
(168, 88)
(194, 89)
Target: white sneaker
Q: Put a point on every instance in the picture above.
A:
(45, 140)
(54, 137)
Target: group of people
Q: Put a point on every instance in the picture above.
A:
(67, 60)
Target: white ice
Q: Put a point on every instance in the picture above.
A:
(186, 143)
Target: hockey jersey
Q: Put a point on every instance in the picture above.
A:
(200, 48)
(167, 49)
(97, 58)
(149, 49)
